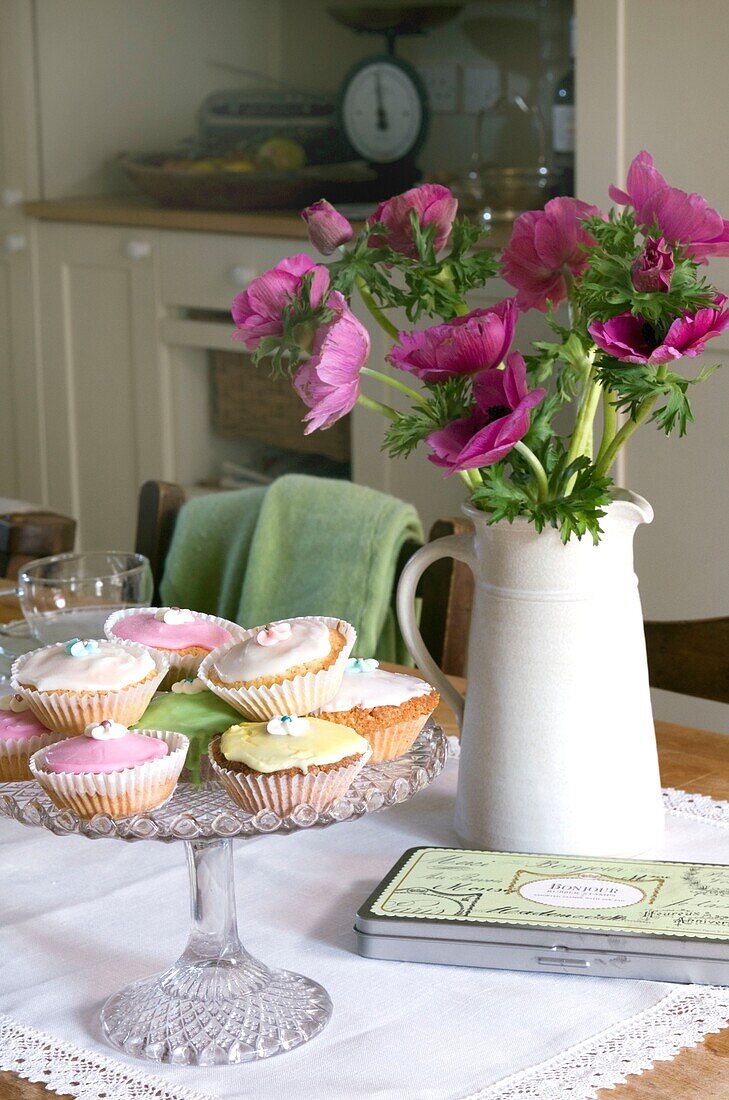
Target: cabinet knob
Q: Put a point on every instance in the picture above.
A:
(15, 242)
(241, 276)
(12, 196)
(137, 250)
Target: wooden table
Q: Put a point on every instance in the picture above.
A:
(692, 760)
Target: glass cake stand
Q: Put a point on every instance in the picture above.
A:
(217, 1004)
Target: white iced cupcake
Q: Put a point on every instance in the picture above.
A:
(110, 770)
(389, 709)
(184, 637)
(288, 667)
(72, 684)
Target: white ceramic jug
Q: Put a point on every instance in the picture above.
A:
(558, 750)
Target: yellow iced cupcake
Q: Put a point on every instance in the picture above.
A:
(288, 762)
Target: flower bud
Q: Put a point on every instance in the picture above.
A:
(328, 229)
(652, 270)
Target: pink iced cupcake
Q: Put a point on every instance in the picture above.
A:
(185, 637)
(111, 770)
(21, 734)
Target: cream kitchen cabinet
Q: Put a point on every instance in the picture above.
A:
(104, 375)
(128, 318)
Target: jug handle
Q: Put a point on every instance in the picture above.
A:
(459, 547)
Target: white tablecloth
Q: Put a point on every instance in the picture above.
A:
(80, 918)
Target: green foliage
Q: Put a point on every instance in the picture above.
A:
(447, 401)
(505, 497)
(606, 288)
(635, 385)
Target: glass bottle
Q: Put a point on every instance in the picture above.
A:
(563, 123)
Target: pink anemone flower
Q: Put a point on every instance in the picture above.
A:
(258, 310)
(501, 418)
(545, 250)
(328, 383)
(466, 345)
(434, 204)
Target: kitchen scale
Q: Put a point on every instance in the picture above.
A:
(383, 103)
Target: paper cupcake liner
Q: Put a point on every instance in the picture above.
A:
(15, 755)
(282, 793)
(118, 794)
(389, 742)
(181, 665)
(300, 695)
(69, 712)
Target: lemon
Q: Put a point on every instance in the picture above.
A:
(281, 155)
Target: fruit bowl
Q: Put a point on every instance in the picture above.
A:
(202, 184)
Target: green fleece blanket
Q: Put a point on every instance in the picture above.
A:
(304, 546)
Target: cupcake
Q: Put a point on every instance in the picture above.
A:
(110, 770)
(191, 709)
(183, 636)
(21, 734)
(288, 667)
(389, 709)
(288, 762)
(71, 684)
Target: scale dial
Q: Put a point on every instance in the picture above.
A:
(384, 110)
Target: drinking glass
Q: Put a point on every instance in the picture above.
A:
(72, 595)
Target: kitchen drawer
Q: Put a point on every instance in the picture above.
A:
(207, 270)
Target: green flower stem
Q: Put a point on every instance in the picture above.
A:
(540, 473)
(621, 437)
(581, 442)
(465, 477)
(609, 422)
(461, 309)
(377, 406)
(396, 385)
(375, 310)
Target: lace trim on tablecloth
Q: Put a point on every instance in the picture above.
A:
(681, 1019)
(700, 806)
(69, 1070)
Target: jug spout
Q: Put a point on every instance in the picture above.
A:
(639, 506)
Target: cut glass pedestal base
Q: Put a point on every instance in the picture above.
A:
(217, 1004)
(227, 1013)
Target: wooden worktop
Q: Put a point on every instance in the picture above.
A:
(137, 210)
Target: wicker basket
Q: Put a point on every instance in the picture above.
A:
(249, 404)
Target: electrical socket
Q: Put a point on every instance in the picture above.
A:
(481, 86)
(441, 84)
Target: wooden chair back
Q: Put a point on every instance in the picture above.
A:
(157, 510)
(687, 657)
(25, 536)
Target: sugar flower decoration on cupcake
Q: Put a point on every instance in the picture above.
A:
(81, 647)
(362, 664)
(175, 616)
(191, 685)
(15, 703)
(273, 633)
(288, 725)
(106, 730)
